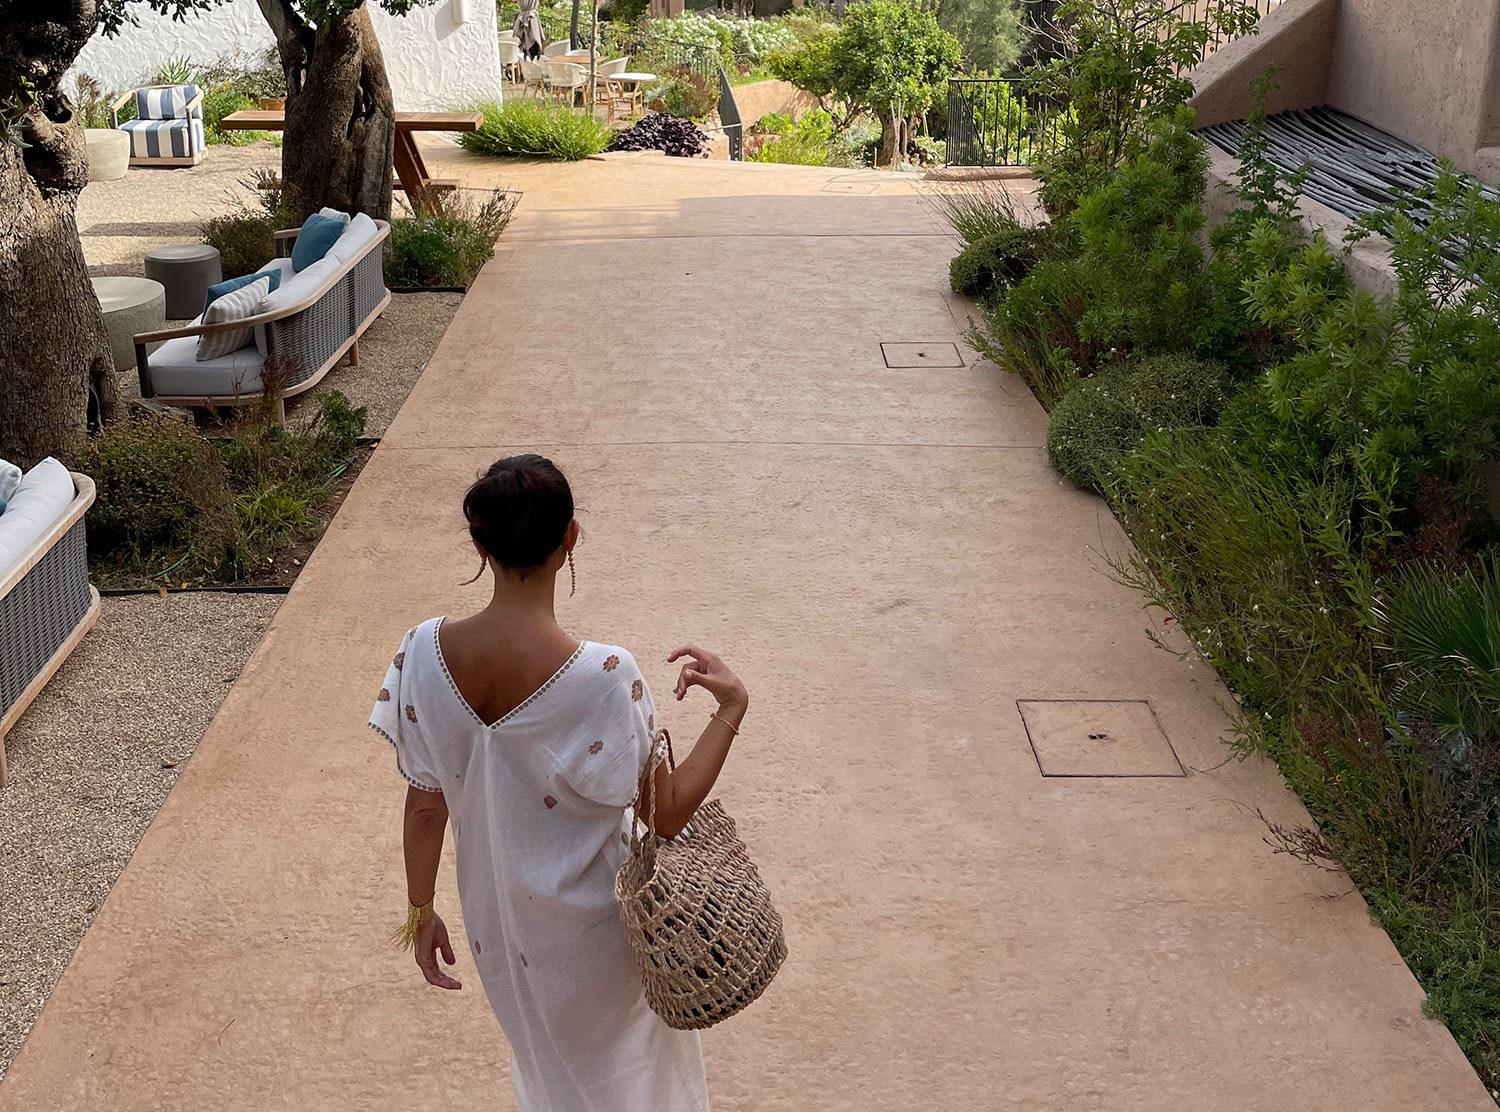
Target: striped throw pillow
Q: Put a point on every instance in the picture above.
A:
(243, 302)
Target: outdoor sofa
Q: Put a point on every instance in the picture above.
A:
(46, 601)
(307, 323)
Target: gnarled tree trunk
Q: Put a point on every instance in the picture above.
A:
(340, 118)
(52, 340)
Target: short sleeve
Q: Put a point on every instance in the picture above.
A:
(607, 762)
(395, 719)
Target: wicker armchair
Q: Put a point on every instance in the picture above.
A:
(308, 338)
(46, 606)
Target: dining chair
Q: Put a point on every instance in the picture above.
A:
(533, 77)
(566, 77)
(510, 59)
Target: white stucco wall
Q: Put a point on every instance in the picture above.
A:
(433, 61)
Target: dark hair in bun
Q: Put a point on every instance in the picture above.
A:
(519, 510)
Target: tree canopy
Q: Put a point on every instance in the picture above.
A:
(886, 56)
(990, 32)
(113, 14)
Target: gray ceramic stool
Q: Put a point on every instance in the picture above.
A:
(131, 306)
(186, 270)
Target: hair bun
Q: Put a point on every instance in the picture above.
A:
(519, 510)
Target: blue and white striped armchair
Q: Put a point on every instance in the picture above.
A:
(168, 128)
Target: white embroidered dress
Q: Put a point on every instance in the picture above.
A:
(538, 803)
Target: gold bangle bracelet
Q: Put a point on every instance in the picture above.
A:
(733, 729)
(404, 937)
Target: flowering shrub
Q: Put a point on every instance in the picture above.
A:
(750, 39)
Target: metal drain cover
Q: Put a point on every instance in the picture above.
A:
(928, 354)
(1098, 737)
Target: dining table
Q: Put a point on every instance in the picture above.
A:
(421, 188)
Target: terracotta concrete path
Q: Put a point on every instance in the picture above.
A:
(886, 557)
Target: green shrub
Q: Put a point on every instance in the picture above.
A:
(91, 102)
(447, 247)
(278, 473)
(245, 240)
(162, 491)
(173, 507)
(218, 102)
(1123, 272)
(534, 130)
(1387, 393)
(997, 261)
(1105, 418)
(684, 94)
(810, 141)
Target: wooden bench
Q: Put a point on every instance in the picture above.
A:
(420, 187)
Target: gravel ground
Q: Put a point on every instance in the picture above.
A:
(85, 784)
(119, 221)
(393, 352)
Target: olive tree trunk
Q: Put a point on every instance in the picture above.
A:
(53, 345)
(340, 118)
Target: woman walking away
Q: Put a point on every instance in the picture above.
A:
(533, 744)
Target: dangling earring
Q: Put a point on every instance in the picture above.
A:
(572, 575)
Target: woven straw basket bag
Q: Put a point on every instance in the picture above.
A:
(696, 914)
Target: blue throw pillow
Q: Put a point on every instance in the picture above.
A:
(318, 234)
(218, 291)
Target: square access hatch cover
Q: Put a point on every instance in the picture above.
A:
(921, 354)
(1098, 737)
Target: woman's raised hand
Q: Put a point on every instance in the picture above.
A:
(704, 669)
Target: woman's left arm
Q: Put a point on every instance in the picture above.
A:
(422, 838)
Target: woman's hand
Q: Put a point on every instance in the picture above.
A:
(707, 671)
(432, 939)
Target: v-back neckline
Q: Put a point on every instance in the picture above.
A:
(437, 648)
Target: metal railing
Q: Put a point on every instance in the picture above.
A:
(729, 118)
(993, 121)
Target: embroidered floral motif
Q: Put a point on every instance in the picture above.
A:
(550, 802)
(411, 713)
(623, 838)
(651, 722)
(637, 689)
(384, 696)
(523, 959)
(400, 660)
(612, 663)
(598, 745)
(477, 948)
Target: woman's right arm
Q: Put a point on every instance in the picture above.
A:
(678, 793)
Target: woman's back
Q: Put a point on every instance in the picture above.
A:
(497, 662)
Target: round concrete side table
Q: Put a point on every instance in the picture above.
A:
(186, 270)
(131, 305)
(108, 153)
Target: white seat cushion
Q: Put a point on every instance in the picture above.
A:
(361, 232)
(177, 373)
(43, 496)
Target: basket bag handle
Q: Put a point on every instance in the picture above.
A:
(661, 750)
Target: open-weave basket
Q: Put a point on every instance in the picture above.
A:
(696, 913)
